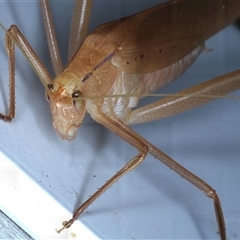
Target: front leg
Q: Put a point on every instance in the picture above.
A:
(15, 37)
(10, 48)
(144, 147)
(126, 134)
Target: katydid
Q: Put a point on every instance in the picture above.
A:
(121, 58)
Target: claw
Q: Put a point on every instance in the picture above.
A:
(66, 224)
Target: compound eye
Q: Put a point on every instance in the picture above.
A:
(76, 94)
(50, 87)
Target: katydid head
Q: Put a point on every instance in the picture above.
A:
(67, 106)
(89, 73)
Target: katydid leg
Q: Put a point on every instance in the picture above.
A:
(15, 37)
(144, 147)
(187, 99)
(10, 48)
(79, 25)
(51, 37)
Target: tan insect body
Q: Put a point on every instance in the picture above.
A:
(124, 58)
(67, 117)
(105, 65)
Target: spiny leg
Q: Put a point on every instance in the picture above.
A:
(10, 48)
(196, 181)
(187, 99)
(123, 131)
(126, 134)
(134, 162)
(14, 36)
